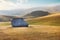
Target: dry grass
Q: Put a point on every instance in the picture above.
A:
(53, 20)
(5, 23)
(34, 32)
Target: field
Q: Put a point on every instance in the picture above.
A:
(45, 28)
(34, 32)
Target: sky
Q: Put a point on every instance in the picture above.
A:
(25, 4)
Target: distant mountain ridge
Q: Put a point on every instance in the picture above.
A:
(4, 18)
(45, 9)
(35, 14)
(6, 15)
(22, 12)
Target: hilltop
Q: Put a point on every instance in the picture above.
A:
(37, 13)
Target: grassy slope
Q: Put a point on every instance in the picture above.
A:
(34, 32)
(53, 20)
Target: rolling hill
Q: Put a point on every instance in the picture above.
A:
(53, 20)
(37, 13)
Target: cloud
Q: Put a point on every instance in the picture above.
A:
(22, 1)
(9, 5)
(22, 4)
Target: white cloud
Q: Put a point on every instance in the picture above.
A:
(8, 5)
(22, 1)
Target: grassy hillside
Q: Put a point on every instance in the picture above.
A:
(53, 20)
(33, 32)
